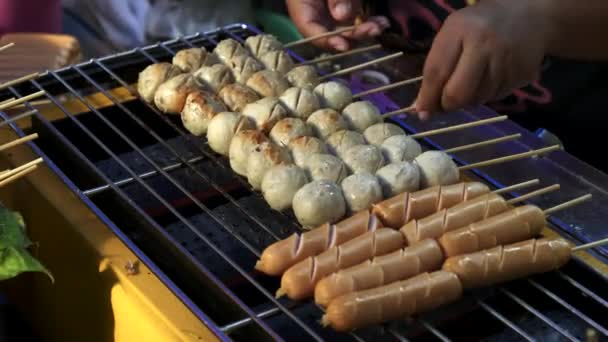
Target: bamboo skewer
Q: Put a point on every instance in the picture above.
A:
(483, 143)
(459, 127)
(409, 109)
(22, 100)
(19, 117)
(510, 158)
(518, 186)
(590, 245)
(388, 87)
(4, 47)
(342, 54)
(19, 141)
(8, 173)
(19, 80)
(534, 193)
(7, 100)
(320, 36)
(568, 204)
(361, 66)
(17, 175)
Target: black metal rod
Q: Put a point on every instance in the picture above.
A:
(505, 320)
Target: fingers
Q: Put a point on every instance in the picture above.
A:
(461, 88)
(344, 10)
(371, 28)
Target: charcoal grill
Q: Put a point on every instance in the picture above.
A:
(200, 228)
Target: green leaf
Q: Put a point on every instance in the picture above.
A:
(15, 260)
(12, 230)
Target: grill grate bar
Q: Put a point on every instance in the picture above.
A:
(175, 212)
(585, 290)
(397, 334)
(433, 330)
(243, 322)
(505, 320)
(569, 307)
(144, 175)
(538, 314)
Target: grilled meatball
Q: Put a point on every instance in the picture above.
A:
(243, 67)
(399, 177)
(242, 145)
(325, 122)
(300, 102)
(280, 184)
(237, 96)
(260, 44)
(361, 114)
(277, 60)
(265, 113)
(190, 60)
(223, 127)
(152, 77)
(198, 111)
(263, 157)
(214, 77)
(325, 166)
(228, 48)
(334, 95)
(360, 191)
(303, 76)
(318, 202)
(287, 129)
(268, 83)
(436, 168)
(171, 95)
(363, 158)
(377, 133)
(400, 148)
(341, 141)
(303, 147)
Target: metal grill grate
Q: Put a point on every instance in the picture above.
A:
(201, 228)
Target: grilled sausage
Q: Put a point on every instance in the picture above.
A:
(268, 83)
(190, 60)
(517, 224)
(242, 145)
(280, 184)
(334, 95)
(423, 256)
(198, 111)
(299, 281)
(303, 76)
(287, 129)
(376, 134)
(170, 96)
(243, 67)
(398, 210)
(505, 263)
(361, 114)
(264, 157)
(228, 48)
(281, 255)
(265, 113)
(214, 77)
(399, 177)
(394, 301)
(260, 44)
(340, 141)
(223, 127)
(277, 60)
(324, 122)
(300, 102)
(360, 191)
(152, 77)
(458, 216)
(400, 148)
(436, 168)
(237, 96)
(363, 158)
(303, 147)
(317, 202)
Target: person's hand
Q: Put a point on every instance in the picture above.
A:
(481, 53)
(313, 17)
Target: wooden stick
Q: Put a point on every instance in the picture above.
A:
(410, 109)
(518, 186)
(7, 100)
(388, 87)
(362, 65)
(342, 54)
(534, 193)
(18, 175)
(458, 127)
(590, 245)
(319, 36)
(483, 143)
(510, 158)
(8, 173)
(4, 47)
(22, 100)
(19, 80)
(19, 141)
(568, 204)
(19, 117)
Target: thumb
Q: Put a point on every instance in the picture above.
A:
(343, 10)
